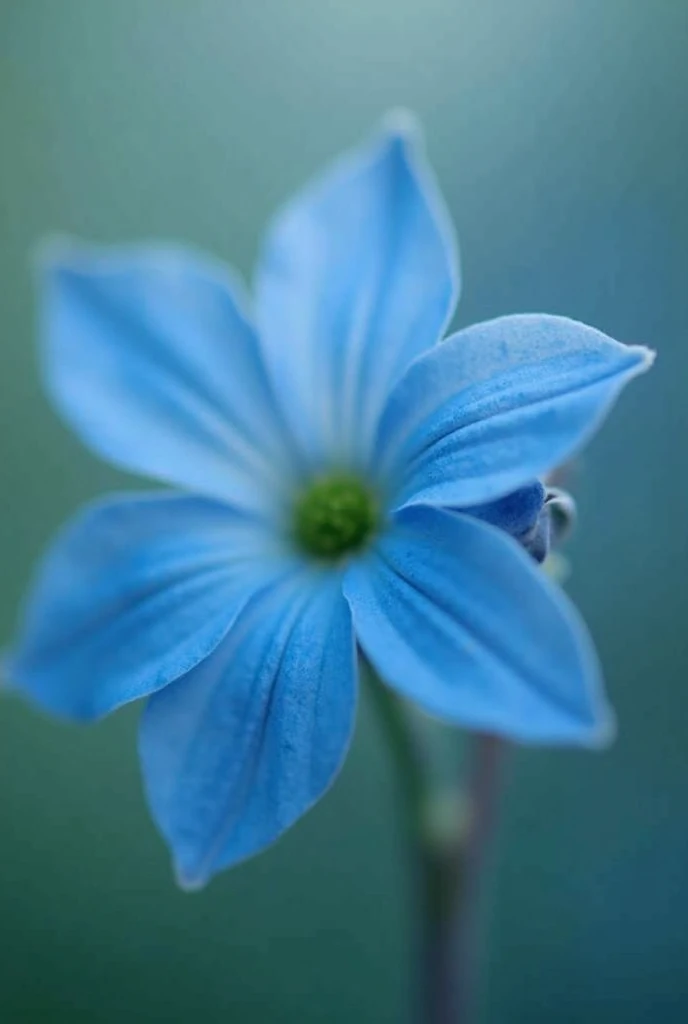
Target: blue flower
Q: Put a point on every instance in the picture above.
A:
(346, 482)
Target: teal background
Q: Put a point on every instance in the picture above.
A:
(559, 131)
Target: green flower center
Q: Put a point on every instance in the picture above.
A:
(336, 515)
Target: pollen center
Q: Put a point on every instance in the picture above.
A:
(334, 516)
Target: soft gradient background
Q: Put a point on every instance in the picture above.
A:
(559, 130)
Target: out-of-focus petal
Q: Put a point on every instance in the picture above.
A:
(134, 593)
(358, 277)
(561, 509)
(151, 358)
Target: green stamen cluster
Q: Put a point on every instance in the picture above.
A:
(334, 516)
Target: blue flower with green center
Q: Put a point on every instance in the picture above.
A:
(347, 482)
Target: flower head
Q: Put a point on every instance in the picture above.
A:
(345, 481)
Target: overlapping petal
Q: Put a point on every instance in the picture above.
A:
(498, 405)
(358, 277)
(204, 605)
(516, 513)
(456, 616)
(240, 748)
(150, 356)
(135, 592)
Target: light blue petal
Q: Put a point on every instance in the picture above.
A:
(358, 277)
(150, 357)
(457, 616)
(498, 405)
(135, 592)
(235, 752)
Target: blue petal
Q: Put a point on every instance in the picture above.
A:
(498, 405)
(538, 540)
(516, 513)
(136, 592)
(150, 357)
(455, 615)
(358, 277)
(245, 744)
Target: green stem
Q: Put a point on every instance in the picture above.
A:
(407, 752)
(449, 861)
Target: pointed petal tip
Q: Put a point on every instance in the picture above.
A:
(16, 681)
(638, 359)
(594, 727)
(595, 734)
(604, 730)
(63, 253)
(645, 356)
(401, 129)
(186, 881)
(403, 125)
(55, 252)
(61, 257)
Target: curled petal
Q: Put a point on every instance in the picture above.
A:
(517, 513)
(522, 515)
(458, 617)
(561, 509)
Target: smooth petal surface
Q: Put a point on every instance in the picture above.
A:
(135, 592)
(150, 357)
(240, 748)
(358, 277)
(498, 405)
(456, 616)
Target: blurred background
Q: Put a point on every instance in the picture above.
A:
(559, 131)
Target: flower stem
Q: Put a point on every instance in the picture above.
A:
(450, 861)
(453, 883)
(408, 754)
